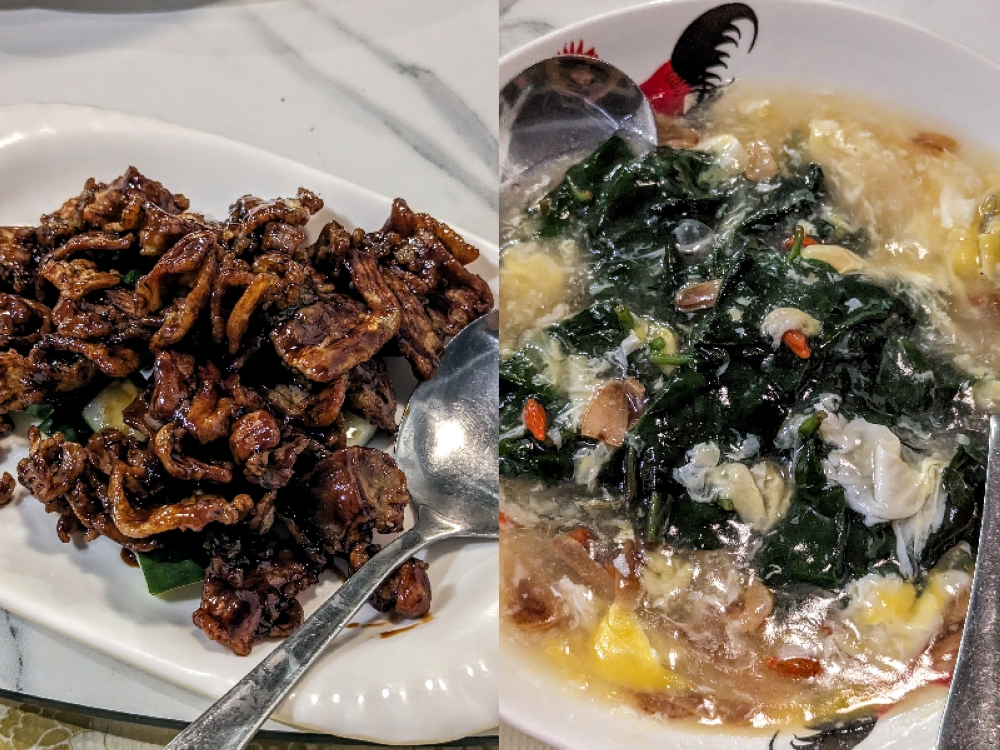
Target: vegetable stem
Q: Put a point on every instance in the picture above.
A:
(797, 239)
(670, 359)
(809, 427)
(655, 517)
(625, 317)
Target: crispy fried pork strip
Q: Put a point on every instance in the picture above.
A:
(243, 345)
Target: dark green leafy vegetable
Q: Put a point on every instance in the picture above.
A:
(699, 525)
(627, 209)
(869, 547)
(964, 480)
(771, 212)
(571, 200)
(130, 278)
(731, 380)
(520, 453)
(907, 383)
(68, 431)
(64, 416)
(43, 412)
(597, 330)
(164, 572)
(809, 541)
(840, 233)
(39, 411)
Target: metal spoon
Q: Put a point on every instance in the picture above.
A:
(972, 714)
(568, 106)
(448, 448)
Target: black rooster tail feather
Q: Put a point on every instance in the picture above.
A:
(700, 47)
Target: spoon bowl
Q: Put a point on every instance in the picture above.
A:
(970, 715)
(448, 448)
(447, 444)
(568, 106)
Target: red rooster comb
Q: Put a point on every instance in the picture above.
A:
(699, 52)
(577, 48)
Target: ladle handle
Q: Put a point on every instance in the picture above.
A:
(972, 715)
(232, 721)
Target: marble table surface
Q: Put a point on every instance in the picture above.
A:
(974, 23)
(392, 95)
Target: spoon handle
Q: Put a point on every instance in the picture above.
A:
(232, 721)
(972, 715)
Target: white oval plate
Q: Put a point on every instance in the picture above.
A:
(811, 46)
(433, 683)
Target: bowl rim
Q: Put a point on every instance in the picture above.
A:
(644, 7)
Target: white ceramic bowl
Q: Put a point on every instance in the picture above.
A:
(808, 46)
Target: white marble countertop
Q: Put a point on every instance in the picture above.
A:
(392, 95)
(974, 23)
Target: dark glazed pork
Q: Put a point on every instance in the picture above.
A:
(242, 347)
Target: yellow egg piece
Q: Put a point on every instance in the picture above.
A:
(965, 259)
(622, 654)
(891, 601)
(533, 283)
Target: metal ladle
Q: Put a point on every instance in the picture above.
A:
(448, 448)
(972, 714)
(568, 106)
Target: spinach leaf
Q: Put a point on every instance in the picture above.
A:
(630, 232)
(638, 266)
(695, 407)
(808, 544)
(834, 230)
(909, 382)
(905, 382)
(702, 526)
(964, 481)
(868, 547)
(665, 183)
(594, 331)
(580, 187)
(165, 572)
(520, 453)
(525, 456)
(523, 371)
(764, 205)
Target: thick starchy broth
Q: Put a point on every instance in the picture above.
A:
(742, 445)
(917, 191)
